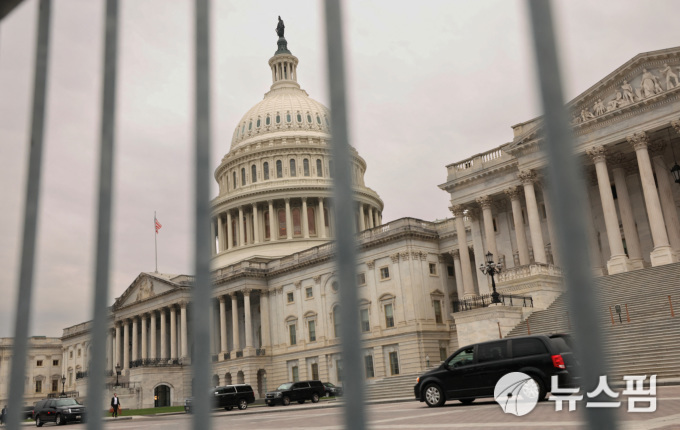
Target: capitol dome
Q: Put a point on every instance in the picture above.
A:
(275, 183)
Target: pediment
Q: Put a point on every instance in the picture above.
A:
(143, 288)
(647, 78)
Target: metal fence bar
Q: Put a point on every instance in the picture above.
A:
(344, 215)
(95, 383)
(201, 292)
(23, 308)
(567, 194)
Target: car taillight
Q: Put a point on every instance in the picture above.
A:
(558, 361)
(417, 379)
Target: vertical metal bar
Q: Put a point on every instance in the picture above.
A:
(23, 308)
(201, 294)
(567, 194)
(344, 215)
(95, 383)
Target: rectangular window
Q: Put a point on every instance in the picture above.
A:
(38, 386)
(450, 270)
(385, 272)
(296, 373)
(394, 363)
(312, 331)
(442, 353)
(492, 351)
(55, 362)
(309, 292)
(361, 279)
(389, 316)
(365, 323)
(433, 269)
(293, 336)
(39, 363)
(55, 385)
(290, 297)
(438, 311)
(315, 371)
(368, 366)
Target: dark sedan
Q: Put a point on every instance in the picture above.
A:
(332, 390)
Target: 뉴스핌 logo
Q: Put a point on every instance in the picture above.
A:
(516, 393)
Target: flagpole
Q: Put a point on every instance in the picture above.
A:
(155, 238)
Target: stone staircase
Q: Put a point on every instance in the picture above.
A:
(392, 387)
(649, 343)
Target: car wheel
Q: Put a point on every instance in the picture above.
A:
(542, 392)
(467, 401)
(58, 420)
(228, 408)
(38, 422)
(315, 398)
(242, 404)
(434, 396)
(285, 401)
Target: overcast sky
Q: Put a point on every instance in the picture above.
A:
(431, 83)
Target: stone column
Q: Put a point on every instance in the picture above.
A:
(109, 350)
(374, 215)
(528, 177)
(173, 332)
(135, 341)
(183, 333)
(220, 233)
(670, 213)
(273, 228)
(305, 220)
(223, 325)
(514, 194)
(618, 262)
(322, 223)
(249, 322)
(662, 252)
(164, 336)
(593, 244)
(126, 345)
(468, 283)
(145, 337)
(485, 203)
(458, 272)
(230, 233)
(362, 222)
(627, 219)
(551, 230)
(116, 360)
(289, 224)
(212, 237)
(234, 322)
(152, 335)
(371, 223)
(256, 225)
(241, 233)
(264, 318)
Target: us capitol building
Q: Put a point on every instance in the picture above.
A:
(275, 290)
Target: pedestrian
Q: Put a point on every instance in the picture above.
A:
(115, 405)
(2, 415)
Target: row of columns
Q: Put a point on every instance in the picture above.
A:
(148, 342)
(371, 214)
(236, 342)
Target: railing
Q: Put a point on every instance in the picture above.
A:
(71, 394)
(239, 354)
(81, 375)
(528, 270)
(478, 162)
(260, 351)
(155, 362)
(485, 300)
(227, 356)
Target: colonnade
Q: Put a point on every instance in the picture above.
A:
(239, 347)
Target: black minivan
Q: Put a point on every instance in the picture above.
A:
(473, 371)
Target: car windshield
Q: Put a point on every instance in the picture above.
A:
(285, 386)
(67, 402)
(328, 384)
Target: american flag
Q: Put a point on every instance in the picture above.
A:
(158, 225)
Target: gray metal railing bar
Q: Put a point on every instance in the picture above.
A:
(344, 215)
(23, 308)
(201, 292)
(95, 383)
(566, 192)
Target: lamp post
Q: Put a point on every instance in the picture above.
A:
(675, 170)
(117, 373)
(492, 269)
(63, 382)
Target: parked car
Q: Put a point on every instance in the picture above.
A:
(28, 412)
(473, 371)
(296, 391)
(60, 411)
(227, 397)
(332, 390)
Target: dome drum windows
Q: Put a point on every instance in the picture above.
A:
(243, 176)
(253, 173)
(279, 169)
(293, 171)
(305, 166)
(289, 118)
(250, 125)
(299, 118)
(319, 168)
(278, 118)
(309, 118)
(259, 122)
(265, 171)
(268, 121)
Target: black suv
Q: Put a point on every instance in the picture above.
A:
(296, 391)
(59, 411)
(227, 397)
(474, 370)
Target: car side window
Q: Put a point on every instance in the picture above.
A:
(527, 347)
(492, 351)
(230, 390)
(463, 358)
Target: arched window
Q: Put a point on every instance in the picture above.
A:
(336, 321)
(265, 171)
(305, 166)
(253, 173)
(292, 168)
(243, 176)
(318, 119)
(282, 222)
(258, 123)
(268, 121)
(278, 118)
(309, 118)
(299, 117)
(297, 224)
(311, 221)
(250, 125)
(267, 231)
(319, 168)
(243, 129)
(288, 118)
(279, 169)
(234, 180)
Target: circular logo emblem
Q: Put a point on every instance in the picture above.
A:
(516, 393)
